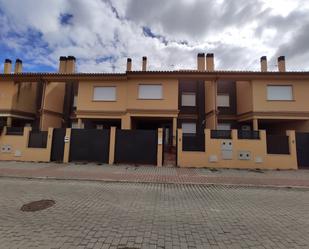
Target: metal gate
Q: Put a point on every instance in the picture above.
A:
(136, 146)
(302, 148)
(89, 145)
(57, 151)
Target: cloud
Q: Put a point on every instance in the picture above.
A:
(102, 33)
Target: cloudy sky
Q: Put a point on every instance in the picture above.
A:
(101, 34)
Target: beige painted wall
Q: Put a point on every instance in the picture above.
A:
(299, 104)
(54, 97)
(53, 101)
(6, 95)
(244, 97)
(127, 96)
(85, 97)
(257, 148)
(24, 101)
(20, 143)
(50, 120)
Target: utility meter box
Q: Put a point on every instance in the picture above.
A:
(227, 149)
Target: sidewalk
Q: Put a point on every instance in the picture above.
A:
(129, 173)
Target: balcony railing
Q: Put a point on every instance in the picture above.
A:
(16, 131)
(248, 134)
(221, 134)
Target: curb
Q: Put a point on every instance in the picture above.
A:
(299, 187)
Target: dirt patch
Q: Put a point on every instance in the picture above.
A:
(37, 205)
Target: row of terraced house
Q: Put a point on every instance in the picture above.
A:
(190, 118)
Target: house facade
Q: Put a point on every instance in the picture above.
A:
(191, 100)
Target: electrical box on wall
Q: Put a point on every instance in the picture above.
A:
(244, 155)
(6, 148)
(227, 149)
(213, 158)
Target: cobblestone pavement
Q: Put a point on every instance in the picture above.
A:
(150, 215)
(128, 173)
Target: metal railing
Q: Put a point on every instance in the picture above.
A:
(248, 134)
(221, 134)
(16, 131)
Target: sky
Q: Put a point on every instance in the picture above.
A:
(101, 34)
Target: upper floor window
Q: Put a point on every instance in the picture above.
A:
(279, 92)
(188, 99)
(224, 126)
(75, 101)
(188, 128)
(104, 93)
(150, 91)
(223, 100)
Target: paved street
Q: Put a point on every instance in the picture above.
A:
(150, 215)
(151, 174)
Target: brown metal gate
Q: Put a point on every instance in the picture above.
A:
(57, 151)
(136, 146)
(302, 148)
(89, 145)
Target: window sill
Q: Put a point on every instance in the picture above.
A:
(280, 100)
(149, 99)
(104, 100)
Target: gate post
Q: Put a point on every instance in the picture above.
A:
(292, 147)
(67, 141)
(160, 148)
(112, 141)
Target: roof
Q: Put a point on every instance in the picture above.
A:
(219, 74)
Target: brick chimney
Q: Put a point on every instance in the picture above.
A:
(264, 64)
(71, 67)
(129, 64)
(210, 62)
(18, 66)
(281, 64)
(7, 66)
(62, 64)
(201, 62)
(144, 66)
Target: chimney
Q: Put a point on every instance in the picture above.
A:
(7, 66)
(62, 64)
(129, 64)
(201, 62)
(263, 64)
(281, 63)
(70, 68)
(144, 67)
(210, 62)
(18, 66)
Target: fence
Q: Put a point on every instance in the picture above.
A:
(37, 139)
(237, 150)
(15, 131)
(28, 146)
(277, 144)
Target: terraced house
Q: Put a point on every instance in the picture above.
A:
(190, 100)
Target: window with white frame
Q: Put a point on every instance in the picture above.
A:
(224, 126)
(150, 91)
(279, 92)
(104, 93)
(188, 128)
(223, 100)
(188, 99)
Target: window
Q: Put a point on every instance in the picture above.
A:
(150, 92)
(279, 93)
(188, 99)
(75, 101)
(189, 128)
(224, 126)
(223, 100)
(104, 93)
